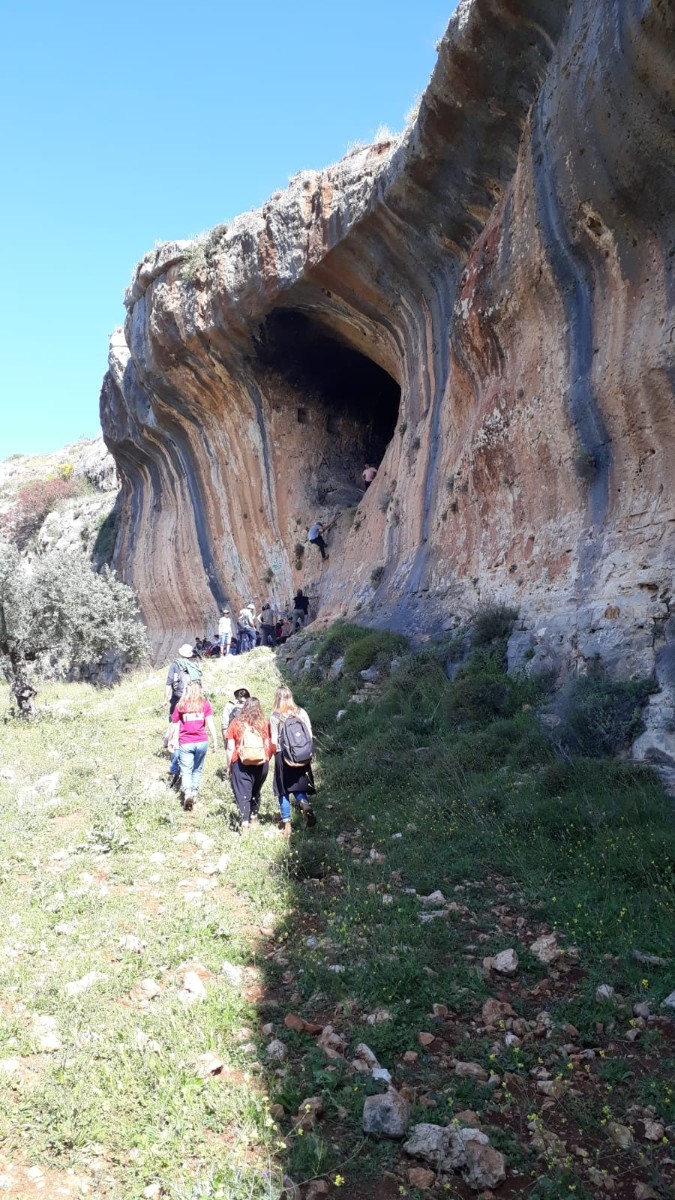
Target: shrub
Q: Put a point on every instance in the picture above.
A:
(335, 641)
(33, 504)
(373, 648)
(57, 608)
(600, 717)
(492, 623)
(376, 576)
(66, 470)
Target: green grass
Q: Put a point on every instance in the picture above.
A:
(431, 784)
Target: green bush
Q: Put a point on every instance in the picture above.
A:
(374, 648)
(334, 642)
(601, 717)
(492, 623)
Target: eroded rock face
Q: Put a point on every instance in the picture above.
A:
(483, 306)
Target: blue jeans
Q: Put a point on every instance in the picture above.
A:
(191, 758)
(285, 804)
(246, 640)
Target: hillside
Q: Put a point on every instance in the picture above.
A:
(192, 1014)
(62, 500)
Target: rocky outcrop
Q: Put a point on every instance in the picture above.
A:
(83, 517)
(484, 306)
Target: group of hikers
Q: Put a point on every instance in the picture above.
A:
(251, 741)
(250, 629)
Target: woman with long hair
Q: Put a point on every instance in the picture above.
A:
(194, 717)
(293, 779)
(249, 750)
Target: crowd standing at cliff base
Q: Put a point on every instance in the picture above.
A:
(251, 741)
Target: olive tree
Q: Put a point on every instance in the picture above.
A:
(57, 612)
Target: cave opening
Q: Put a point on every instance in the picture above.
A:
(354, 398)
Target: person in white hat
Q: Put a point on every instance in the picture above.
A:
(181, 671)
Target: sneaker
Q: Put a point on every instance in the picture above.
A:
(286, 829)
(245, 826)
(189, 802)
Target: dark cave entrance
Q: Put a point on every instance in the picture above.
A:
(356, 400)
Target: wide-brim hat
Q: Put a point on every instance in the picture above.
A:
(185, 651)
(241, 689)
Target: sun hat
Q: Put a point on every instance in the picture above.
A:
(185, 651)
(238, 690)
(251, 605)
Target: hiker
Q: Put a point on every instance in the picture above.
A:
(267, 624)
(255, 621)
(181, 672)
(368, 476)
(300, 609)
(246, 631)
(291, 732)
(225, 631)
(232, 710)
(194, 716)
(315, 538)
(249, 750)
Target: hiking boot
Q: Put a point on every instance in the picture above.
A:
(245, 826)
(310, 818)
(189, 802)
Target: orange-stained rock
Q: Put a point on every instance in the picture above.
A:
(506, 265)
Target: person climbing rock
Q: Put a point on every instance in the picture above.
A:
(249, 749)
(194, 715)
(300, 609)
(368, 476)
(315, 538)
(225, 631)
(291, 733)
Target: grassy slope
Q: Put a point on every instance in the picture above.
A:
(522, 840)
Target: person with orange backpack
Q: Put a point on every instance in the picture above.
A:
(249, 749)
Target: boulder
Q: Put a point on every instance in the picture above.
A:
(485, 1166)
(546, 949)
(387, 1115)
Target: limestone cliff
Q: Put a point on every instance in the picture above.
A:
(484, 306)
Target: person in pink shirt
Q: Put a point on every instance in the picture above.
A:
(194, 716)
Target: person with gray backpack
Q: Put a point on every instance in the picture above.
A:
(291, 734)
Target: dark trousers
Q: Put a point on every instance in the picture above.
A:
(318, 541)
(247, 785)
(268, 637)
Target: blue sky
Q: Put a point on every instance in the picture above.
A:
(128, 124)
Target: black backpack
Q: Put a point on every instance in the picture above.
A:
(179, 680)
(295, 742)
